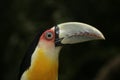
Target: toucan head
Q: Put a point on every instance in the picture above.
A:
(44, 58)
(70, 33)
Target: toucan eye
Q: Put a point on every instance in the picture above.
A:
(49, 35)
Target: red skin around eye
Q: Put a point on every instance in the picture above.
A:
(43, 37)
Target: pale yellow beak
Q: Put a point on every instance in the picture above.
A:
(76, 32)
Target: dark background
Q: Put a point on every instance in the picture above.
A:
(94, 60)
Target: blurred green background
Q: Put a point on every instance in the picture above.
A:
(95, 60)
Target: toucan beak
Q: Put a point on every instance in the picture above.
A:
(75, 32)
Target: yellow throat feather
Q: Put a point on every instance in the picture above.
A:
(44, 64)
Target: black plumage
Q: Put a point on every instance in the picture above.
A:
(27, 58)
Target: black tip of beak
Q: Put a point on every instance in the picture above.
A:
(57, 39)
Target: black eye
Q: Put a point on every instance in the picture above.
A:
(49, 35)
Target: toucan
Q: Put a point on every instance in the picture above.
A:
(41, 62)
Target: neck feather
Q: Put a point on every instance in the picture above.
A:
(44, 64)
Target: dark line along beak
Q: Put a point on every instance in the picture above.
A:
(57, 39)
(75, 32)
